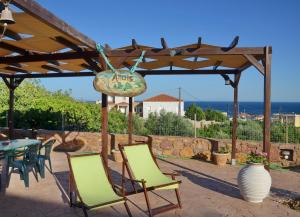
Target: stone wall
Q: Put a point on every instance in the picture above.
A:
(203, 148)
(91, 140)
(117, 139)
(185, 147)
(180, 146)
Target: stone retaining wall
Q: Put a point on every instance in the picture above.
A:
(185, 147)
(203, 148)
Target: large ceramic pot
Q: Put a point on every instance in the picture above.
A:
(254, 182)
(220, 158)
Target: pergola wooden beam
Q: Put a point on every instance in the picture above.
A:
(51, 68)
(76, 48)
(36, 10)
(133, 53)
(11, 34)
(142, 72)
(255, 63)
(198, 47)
(13, 48)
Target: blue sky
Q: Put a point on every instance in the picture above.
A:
(258, 23)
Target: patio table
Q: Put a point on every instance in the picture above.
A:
(10, 145)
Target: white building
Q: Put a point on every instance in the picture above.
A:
(162, 102)
(118, 102)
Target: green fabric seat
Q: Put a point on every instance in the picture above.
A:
(93, 187)
(144, 167)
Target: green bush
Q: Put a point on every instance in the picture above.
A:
(250, 130)
(168, 123)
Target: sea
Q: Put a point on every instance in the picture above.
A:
(255, 108)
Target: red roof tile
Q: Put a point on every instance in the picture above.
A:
(162, 98)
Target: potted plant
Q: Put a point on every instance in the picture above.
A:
(254, 180)
(221, 156)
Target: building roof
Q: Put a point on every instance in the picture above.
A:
(162, 98)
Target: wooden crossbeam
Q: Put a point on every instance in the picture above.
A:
(68, 43)
(142, 72)
(76, 48)
(198, 47)
(23, 52)
(237, 79)
(255, 63)
(54, 62)
(36, 10)
(13, 48)
(217, 64)
(123, 53)
(15, 69)
(11, 34)
(51, 68)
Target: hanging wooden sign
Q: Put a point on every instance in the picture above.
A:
(120, 83)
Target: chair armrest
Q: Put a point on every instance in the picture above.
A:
(172, 174)
(139, 181)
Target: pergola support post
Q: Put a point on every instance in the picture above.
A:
(12, 84)
(235, 118)
(104, 129)
(130, 121)
(267, 102)
(11, 108)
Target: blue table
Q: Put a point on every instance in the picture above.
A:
(10, 145)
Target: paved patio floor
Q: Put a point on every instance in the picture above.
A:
(206, 190)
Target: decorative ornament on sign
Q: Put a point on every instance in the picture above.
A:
(118, 82)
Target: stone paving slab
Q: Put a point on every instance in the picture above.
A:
(206, 190)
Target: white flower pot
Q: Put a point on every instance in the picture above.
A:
(254, 182)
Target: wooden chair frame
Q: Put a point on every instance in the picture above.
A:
(73, 190)
(145, 189)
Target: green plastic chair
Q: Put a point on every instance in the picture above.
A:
(143, 169)
(29, 163)
(44, 155)
(90, 184)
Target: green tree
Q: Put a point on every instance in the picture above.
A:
(192, 110)
(36, 107)
(213, 115)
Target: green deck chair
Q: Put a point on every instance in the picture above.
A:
(90, 184)
(143, 169)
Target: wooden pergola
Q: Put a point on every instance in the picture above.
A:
(40, 45)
